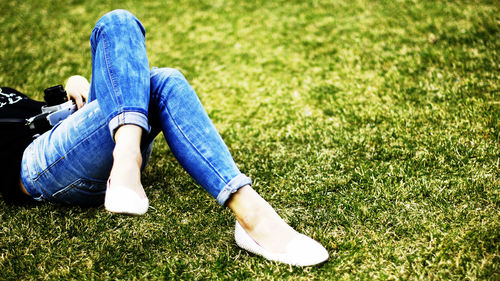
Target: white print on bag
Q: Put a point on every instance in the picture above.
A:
(6, 98)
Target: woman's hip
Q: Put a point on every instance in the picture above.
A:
(70, 163)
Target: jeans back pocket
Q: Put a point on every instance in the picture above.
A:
(82, 192)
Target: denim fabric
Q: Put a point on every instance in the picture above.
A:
(120, 69)
(70, 164)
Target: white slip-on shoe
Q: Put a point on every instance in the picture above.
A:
(301, 251)
(123, 200)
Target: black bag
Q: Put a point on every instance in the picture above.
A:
(15, 136)
(15, 109)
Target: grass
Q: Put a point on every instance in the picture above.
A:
(372, 126)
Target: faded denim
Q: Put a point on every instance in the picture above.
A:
(70, 164)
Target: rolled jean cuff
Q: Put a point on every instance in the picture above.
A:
(232, 186)
(129, 117)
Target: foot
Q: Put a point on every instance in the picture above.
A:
(126, 170)
(125, 193)
(300, 251)
(261, 222)
(269, 231)
(122, 200)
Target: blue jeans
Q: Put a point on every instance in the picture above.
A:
(70, 164)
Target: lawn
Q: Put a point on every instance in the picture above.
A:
(372, 126)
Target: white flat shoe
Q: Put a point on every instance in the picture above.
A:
(122, 200)
(301, 251)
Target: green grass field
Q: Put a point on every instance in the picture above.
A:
(372, 126)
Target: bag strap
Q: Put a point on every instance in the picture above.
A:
(13, 121)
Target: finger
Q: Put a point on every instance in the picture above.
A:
(84, 93)
(78, 101)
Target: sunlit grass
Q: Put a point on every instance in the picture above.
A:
(372, 126)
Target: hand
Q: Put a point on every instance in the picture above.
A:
(77, 88)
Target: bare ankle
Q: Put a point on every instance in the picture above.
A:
(127, 144)
(127, 154)
(252, 211)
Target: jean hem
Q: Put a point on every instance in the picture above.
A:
(231, 187)
(129, 117)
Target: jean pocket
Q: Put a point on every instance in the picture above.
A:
(82, 192)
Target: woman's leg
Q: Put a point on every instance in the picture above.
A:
(120, 82)
(191, 135)
(70, 163)
(120, 70)
(197, 145)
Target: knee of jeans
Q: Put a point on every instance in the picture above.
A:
(120, 16)
(166, 73)
(171, 72)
